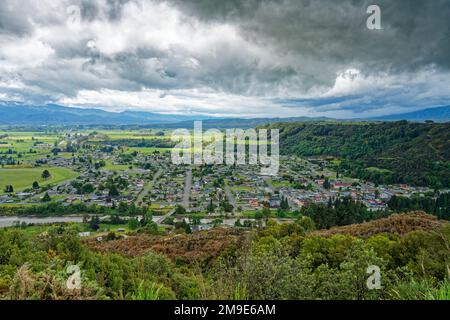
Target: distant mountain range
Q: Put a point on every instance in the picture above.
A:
(59, 115)
(238, 123)
(438, 114)
(52, 114)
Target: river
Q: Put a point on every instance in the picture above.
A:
(10, 221)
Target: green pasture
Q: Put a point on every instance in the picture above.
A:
(22, 179)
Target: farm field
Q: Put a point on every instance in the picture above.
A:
(22, 179)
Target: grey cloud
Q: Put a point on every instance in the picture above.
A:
(91, 10)
(301, 46)
(416, 33)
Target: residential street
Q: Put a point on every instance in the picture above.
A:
(187, 189)
(148, 187)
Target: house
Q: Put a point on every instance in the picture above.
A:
(274, 202)
(201, 227)
(339, 185)
(84, 234)
(320, 182)
(300, 203)
(254, 203)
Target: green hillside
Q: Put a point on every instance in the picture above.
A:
(394, 152)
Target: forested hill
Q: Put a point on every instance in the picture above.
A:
(392, 152)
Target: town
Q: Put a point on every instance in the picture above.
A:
(101, 169)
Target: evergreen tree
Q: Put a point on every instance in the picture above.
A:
(46, 174)
(46, 198)
(211, 207)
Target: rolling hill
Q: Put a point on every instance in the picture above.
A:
(401, 152)
(52, 114)
(59, 115)
(438, 114)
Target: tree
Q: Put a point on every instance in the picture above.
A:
(284, 205)
(217, 222)
(87, 188)
(151, 227)
(147, 218)
(326, 184)
(266, 213)
(196, 220)
(281, 213)
(180, 210)
(353, 275)
(323, 216)
(113, 192)
(46, 198)
(94, 224)
(9, 189)
(46, 174)
(211, 207)
(100, 164)
(36, 185)
(306, 223)
(183, 226)
(226, 206)
(111, 236)
(133, 224)
(169, 221)
(123, 207)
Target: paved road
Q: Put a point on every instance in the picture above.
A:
(187, 189)
(148, 186)
(186, 195)
(161, 219)
(230, 196)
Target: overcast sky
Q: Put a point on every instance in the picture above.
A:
(226, 57)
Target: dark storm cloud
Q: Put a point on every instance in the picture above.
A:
(91, 10)
(415, 33)
(314, 54)
(12, 24)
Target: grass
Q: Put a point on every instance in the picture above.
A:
(279, 184)
(147, 293)
(242, 188)
(161, 211)
(115, 167)
(36, 229)
(440, 293)
(336, 162)
(22, 179)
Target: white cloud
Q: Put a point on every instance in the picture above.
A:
(201, 101)
(23, 53)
